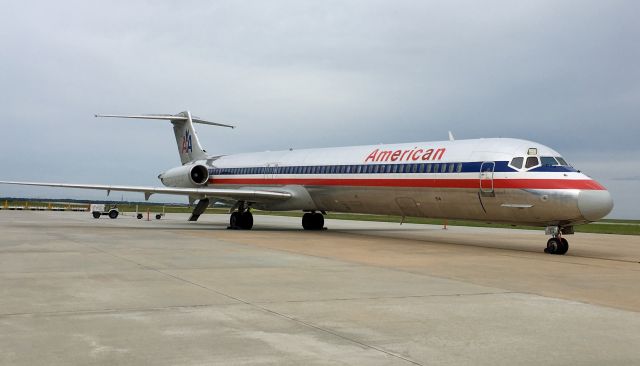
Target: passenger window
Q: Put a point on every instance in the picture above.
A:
(517, 162)
(414, 168)
(548, 161)
(531, 162)
(459, 168)
(451, 167)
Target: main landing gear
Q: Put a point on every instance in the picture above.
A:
(557, 244)
(242, 219)
(313, 221)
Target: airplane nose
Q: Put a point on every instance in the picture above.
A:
(594, 205)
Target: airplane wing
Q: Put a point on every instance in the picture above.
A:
(251, 195)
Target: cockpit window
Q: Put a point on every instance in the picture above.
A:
(531, 162)
(517, 162)
(548, 161)
(561, 161)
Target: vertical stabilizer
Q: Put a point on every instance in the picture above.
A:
(189, 146)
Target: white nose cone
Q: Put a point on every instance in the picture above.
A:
(594, 205)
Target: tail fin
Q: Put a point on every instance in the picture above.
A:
(189, 147)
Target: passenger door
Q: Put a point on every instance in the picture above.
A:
(270, 170)
(486, 178)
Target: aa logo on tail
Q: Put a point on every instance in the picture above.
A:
(186, 143)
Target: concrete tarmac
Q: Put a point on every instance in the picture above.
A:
(76, 290)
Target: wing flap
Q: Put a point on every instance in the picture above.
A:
(252, 195)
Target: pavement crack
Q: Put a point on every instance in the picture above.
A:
(389, 297)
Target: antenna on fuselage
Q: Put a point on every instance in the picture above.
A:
(451, 136)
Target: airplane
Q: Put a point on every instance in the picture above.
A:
(495, 180)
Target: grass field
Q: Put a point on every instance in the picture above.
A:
(608, 226)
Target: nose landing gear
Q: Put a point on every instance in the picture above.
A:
(557, 244)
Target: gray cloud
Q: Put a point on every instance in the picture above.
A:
(631, 179)
(313, 73)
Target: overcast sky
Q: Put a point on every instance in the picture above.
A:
(313, 74)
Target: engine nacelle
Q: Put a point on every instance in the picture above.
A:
(186, 176)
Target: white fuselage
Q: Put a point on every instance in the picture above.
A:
(465, 179)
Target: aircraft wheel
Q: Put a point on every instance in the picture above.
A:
(552, 246)
(307, 221)
(233, 220)
(318, 221)
(113, 214)
(564, 246)
(139, 216)
(312, 221)
(246, 220)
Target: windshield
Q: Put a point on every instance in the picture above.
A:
(549, 161)
(562, 161)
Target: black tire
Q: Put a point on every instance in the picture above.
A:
(96, 215)
(139, 216)
(307, 221)
(564, 246)
(553, 246)
(158, 216)
(318, 221)
(246, 220)
(234, 220)
(113, 214)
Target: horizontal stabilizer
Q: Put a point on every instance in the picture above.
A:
(166, 117)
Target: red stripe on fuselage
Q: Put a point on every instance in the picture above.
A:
(586, 184)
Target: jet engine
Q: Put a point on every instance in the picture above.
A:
(186, 176)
